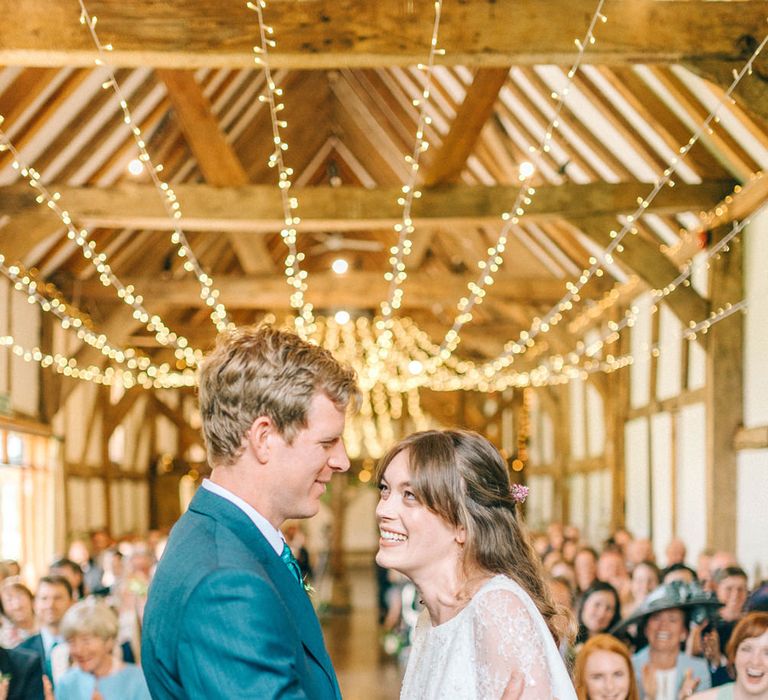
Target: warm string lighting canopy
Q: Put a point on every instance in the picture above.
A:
(489, 266)
(208, 292)
(81, 237)
(71, 318)
(304, 321)
(405, 228)
(605, 257)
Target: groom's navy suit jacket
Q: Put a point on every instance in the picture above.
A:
(226, 619)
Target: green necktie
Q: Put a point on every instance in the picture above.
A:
(290, 561)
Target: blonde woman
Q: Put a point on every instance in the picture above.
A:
(90, 628)
(449, 521)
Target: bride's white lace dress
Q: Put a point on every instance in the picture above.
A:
(473, 655)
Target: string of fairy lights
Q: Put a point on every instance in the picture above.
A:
(208, 292)
(412, 360)
(476, 289)
(81, 237)
(304, 321)
(605, 257)
(405, 228)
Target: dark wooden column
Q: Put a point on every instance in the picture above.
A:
(724, 395)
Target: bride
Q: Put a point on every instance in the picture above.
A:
(448, 520)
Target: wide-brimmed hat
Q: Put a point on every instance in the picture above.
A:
(689, 597)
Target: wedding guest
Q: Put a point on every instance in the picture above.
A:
(603, 671)
(748, 656)
(599, 610)
(17, 608)
(90, 629)
(645, 578)
(585, 569)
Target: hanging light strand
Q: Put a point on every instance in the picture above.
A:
(304, 321)
(405, 228)
(489, 266)
(72, 318)
(81, 237)
(208, 292)
(597, 262)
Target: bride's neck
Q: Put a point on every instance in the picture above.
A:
(445, 592)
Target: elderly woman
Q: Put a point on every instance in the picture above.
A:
(90, 628)
(603, 671)
(748, 656)
(449, 521)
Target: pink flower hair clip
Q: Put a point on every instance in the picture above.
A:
(519, 493)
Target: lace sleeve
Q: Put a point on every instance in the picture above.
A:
(508, 643)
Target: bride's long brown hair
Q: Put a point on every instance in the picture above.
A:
(460, 476)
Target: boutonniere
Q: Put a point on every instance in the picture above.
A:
(307, 586)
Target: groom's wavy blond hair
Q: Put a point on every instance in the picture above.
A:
(263, 371)
(460, 476)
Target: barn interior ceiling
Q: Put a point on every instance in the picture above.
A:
(501, 179)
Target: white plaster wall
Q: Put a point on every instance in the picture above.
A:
(577, 491)
(93, 433)
(595, 422)
(668, 378)
(576, 400)
(78, 408)
(640, 347)
(636, 459)
(661, 475)
(4, 328)
(77, 491)
(547, 439)
(752, 505)
(133, 425)
(97, 511)
(598, 505)
(756, 323)
(691, 505)
(25, 376)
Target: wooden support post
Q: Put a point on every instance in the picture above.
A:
(340, 595)
(724, 396)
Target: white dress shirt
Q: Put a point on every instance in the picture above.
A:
(273, 536)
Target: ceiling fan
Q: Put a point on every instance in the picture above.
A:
(335, 242)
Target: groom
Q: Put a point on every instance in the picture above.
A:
(226, 617)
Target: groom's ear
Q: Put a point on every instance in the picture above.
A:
(259, 438)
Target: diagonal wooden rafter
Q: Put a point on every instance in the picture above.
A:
(450, 159)
(372, 33)
(216, 158)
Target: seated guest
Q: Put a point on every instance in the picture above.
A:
(612, 569)
(21, 675)
(662, 670)
(92, 572)
(639, 550)
(645, 578)
(585, 569)
(679, 572)
(598, 611)
(748, 656)
(603, 671)
(52, 599)
(675, 552)
(18, 616)
(72, 572)
(731, 590)
(90, 629)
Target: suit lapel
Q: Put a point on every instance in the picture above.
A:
(291, 592)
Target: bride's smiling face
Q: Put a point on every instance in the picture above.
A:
(411, 537)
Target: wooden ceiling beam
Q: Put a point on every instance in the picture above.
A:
(334, 33)
(256, 208)
(356, 290)
(215, 157)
